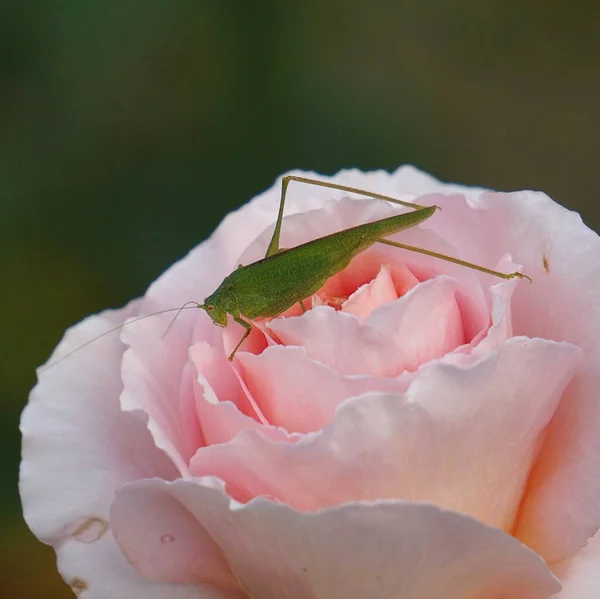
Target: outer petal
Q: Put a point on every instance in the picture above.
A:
(581, 574)
(102, 572)
(153, 374)
(562, 507)
(390, 550)
(78, 448)
(461, 438)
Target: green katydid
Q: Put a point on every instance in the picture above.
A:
(284, 277)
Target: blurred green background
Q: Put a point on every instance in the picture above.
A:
(128, 129)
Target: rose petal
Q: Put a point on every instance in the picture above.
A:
(299, 394)
(175, 549)
(216, 375)
(378, 292)
(221, 421)
(562, 507)
(152, 370)
(102, 572)
(461, 438)
(422, 325)
(501, 328)
(364, 268)
(387, 549)
(78, 448)
(581, 575)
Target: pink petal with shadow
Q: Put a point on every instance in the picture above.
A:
(216, 372)
(302, 395)
(152, 370)
(423, 325)
(78, 449)
(364, 268)
(378, 292)
(382, 549)
(221, 420)
(562, 507)
(580, 575)
(461, 438)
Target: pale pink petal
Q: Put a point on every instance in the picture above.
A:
(421, 326)
(181, 552)
(152, 370)
(580, 575)
(78, 448)
(562, 507)
(366, 298)
(191, 425)
(501, 328)
(216, 374)
(461, 438)
(299, 394)
(384, 549)
(404, 280)
(102, 572)
(222, 420)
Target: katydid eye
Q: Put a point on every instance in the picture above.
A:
(210, 307)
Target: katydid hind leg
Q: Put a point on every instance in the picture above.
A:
(247, 332)
(357, 190)
(274, 243)
(273, 247)
(471, 265)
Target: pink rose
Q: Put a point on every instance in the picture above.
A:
(424, 430)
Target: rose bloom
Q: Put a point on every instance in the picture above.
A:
(422, 431)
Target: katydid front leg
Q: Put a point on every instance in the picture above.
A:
(247, 332)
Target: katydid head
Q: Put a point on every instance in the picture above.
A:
(217, 314)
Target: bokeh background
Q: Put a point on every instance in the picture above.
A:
(128, 129)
